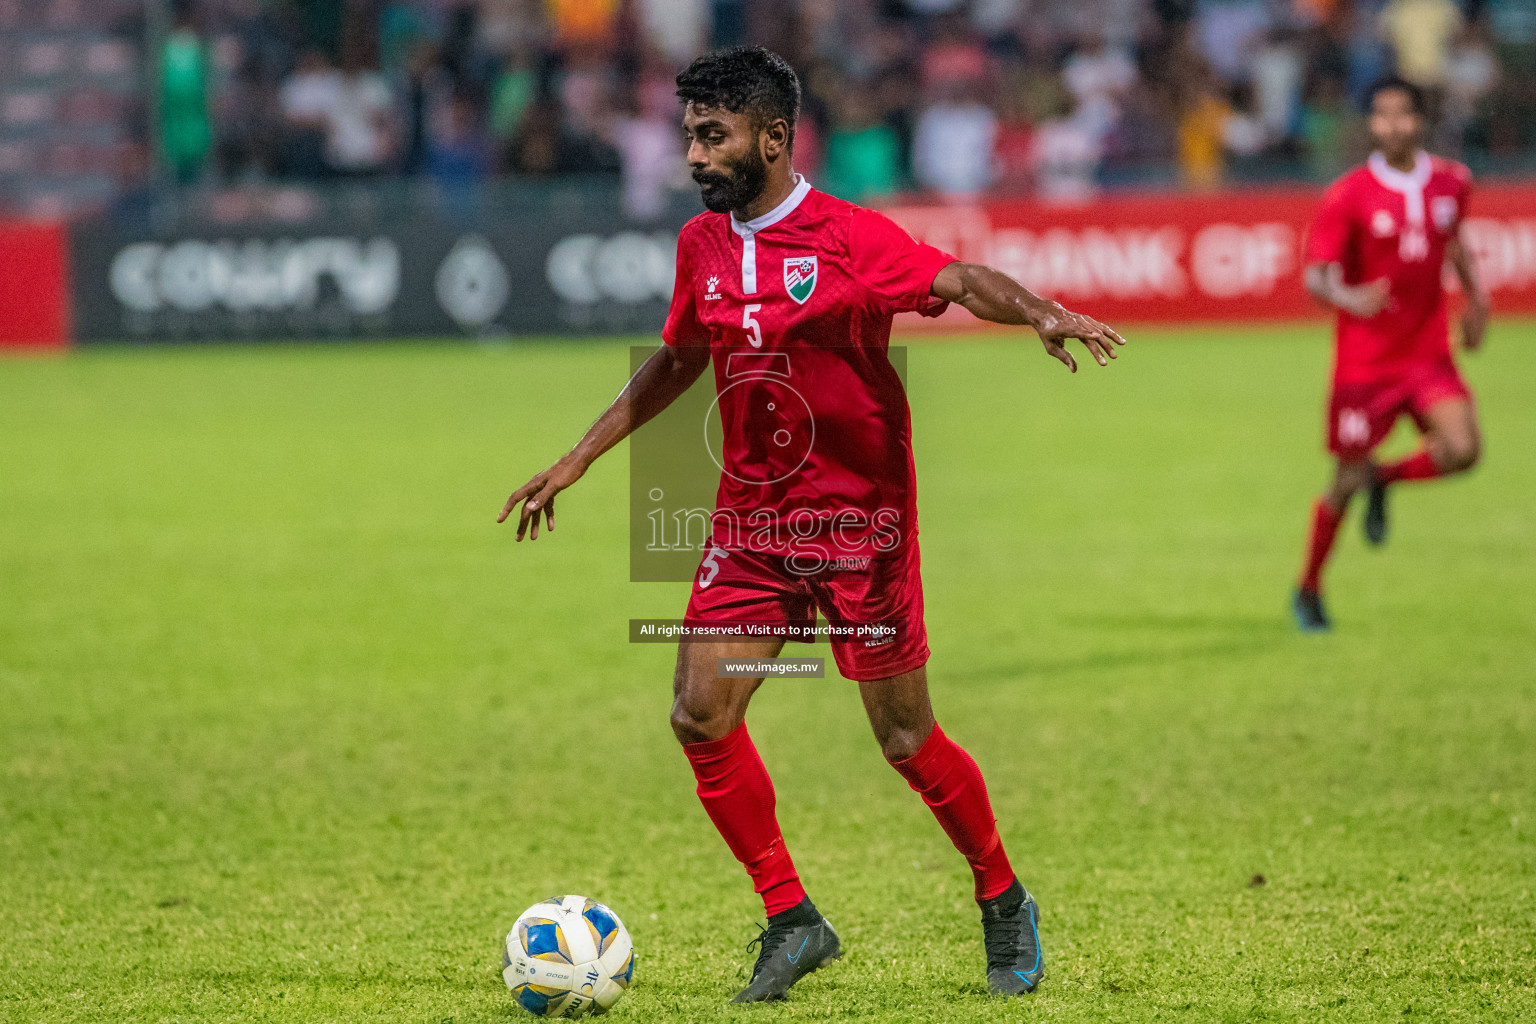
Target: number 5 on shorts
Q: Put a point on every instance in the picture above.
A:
(710, 568)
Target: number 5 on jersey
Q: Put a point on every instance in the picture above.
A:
(710, 568)
(752, 325)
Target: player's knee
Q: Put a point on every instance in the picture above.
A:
(1465, 457)
(688, 726)
(692, 723)
(902, 743)
(901, 735)
(1463, 453)
(1453, 453)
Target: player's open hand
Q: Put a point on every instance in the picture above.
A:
(1474, 323)
(1364, 300)
(1058, 326)
(538, 498)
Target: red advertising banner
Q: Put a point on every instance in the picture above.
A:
(1183, 258)
(34, 299)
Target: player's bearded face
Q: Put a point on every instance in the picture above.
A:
(1394, 123)
(736, 186)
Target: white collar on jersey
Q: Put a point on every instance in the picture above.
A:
(1413, 244)
(748, 231)
(788, 206)
(1409, 183)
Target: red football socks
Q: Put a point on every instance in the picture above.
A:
(952, 787)
(1325, 525)
(1418, 466)
(737, 793)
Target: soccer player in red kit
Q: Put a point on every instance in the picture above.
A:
(792, 291)
(1376, 253)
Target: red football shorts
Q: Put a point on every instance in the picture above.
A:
(880, 599)
(1361, 415)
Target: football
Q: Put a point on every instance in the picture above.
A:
(567, 957)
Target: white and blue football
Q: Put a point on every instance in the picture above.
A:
(567, 957)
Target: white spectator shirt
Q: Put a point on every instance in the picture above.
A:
(1067, 155)
(1098, 74)
(1097, 81)
(309, 94)
(1278, 75)
(1470, 72)
(350, 107)
(952, 148)
(1243, 134)
(1225, 31)
(649, 164)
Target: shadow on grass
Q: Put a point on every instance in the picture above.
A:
(1243, 639)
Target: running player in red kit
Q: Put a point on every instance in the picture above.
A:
(792, 293)
(1376, 253)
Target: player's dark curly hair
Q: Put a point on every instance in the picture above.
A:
(1399, 84)
(745, 79)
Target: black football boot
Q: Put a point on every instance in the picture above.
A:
(1307, 606)
(1375, 521)
(795, 943)
(1010, 925)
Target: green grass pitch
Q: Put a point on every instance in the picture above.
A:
(290, 731)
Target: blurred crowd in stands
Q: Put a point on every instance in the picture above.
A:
(1052, 98)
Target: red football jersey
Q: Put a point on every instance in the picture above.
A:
(796, 307)
(1377, 222)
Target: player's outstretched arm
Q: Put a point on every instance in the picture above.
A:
(1474, 319)
(992, 295)
(1326, 283)
(669, 372)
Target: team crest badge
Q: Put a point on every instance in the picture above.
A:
(800, 277)
(1442, 210)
